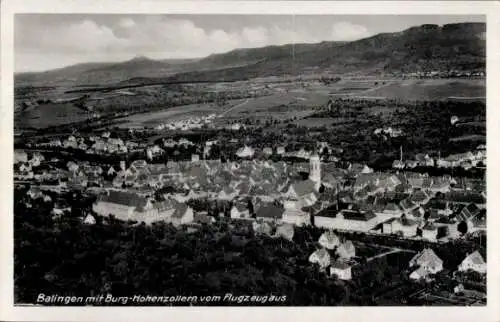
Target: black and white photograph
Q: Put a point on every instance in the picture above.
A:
(236, 160)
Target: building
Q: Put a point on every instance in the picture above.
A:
(429, 232)
(320, 257)
(240, 211)
(296, 217)
(346, 250)
(262, 228)
(403, 226)
(20, 156)
(315, 171)
(270, 212)
(427, 260)
(355, 220)
(329, 240)
(183, 214)
(418, 274)
(267, 151)
(286, 231)
(473, 262)
(346, 219)
(341, 269)
(89, 220)
(300, 194)
(131, 206)
(245, 152)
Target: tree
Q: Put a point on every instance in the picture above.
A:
(462, 227)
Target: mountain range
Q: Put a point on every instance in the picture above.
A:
(427, 47)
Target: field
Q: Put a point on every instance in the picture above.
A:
(322, 121)
(411, 89)
(286, 101)
(172, 114)
(278, 106)
(50, 115)
(435, 89)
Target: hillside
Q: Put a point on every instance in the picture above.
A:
(427, 47)
(106, 72)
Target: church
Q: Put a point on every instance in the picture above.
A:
(302, 194)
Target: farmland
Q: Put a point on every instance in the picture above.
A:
(175, 114)
(280, 100)
(51, 114)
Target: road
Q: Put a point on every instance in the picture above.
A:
(358, 93)
(234, 107)
(395, 250)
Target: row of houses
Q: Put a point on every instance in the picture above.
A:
(131, 206)
(465, 160)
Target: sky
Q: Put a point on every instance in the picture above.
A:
(49, 41)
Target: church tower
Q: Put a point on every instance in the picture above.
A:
(315, 170)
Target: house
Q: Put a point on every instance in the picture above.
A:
(388, 210)
(286, 231)
(132, 206)
(356, 220)
(183, 214)
(245, 152)
(404, 226)
(320, 257)
(477, 223)
(346, 250)
(280, 150)
(121, 204)
(269, 212)
(468, 212)
(35, 193)
(20, 156)
(407, 205)
(72, 166)
(240, 211)
(419, 197)
(267, 151)
(329, 240)
(428, 260)
(111, 171)
(398, 164)
(341, 269)
(441, 163)
(227, 194)
(416, 214)
(301, 194)
(429, 232)
(296, 217)
(473, 262)
(36, 159)
(262, 228)
(419, 274)
(89, 220)
(203, 218)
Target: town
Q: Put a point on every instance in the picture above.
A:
(319, 181)
(275, 191)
